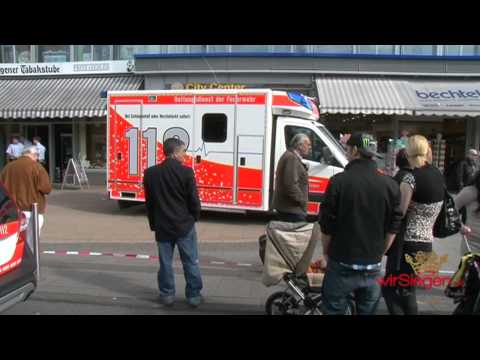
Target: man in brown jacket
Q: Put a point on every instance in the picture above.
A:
(291, 182)
(28, 183)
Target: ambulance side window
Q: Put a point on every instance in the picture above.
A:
(214, 128)
(320, 151)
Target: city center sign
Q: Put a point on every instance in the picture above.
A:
(204, 86)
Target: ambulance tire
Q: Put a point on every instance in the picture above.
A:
(125, 204)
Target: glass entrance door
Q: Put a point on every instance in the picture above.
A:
(63, 149)
(30, 131)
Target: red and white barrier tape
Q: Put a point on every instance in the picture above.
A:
(135, 256)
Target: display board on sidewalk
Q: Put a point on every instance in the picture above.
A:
(75, 174)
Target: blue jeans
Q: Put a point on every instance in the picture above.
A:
(187, 246)
(340, 282)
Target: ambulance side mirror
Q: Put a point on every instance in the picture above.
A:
(327, 155)
(330, 159)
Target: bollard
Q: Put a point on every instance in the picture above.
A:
(36, 236)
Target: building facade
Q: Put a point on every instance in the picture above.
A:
(387, 90)
(57, 91)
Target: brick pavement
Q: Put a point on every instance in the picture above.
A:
(89, 216)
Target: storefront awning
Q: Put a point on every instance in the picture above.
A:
(72, 97)
(375, 95)
(355, 95)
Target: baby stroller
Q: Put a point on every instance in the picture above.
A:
(464, 287)
(288, 253)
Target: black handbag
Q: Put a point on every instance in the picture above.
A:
(449, 221)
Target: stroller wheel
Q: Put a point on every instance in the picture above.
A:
(280, 303)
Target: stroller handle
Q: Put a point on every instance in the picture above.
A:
(465, 239)
(466, 243)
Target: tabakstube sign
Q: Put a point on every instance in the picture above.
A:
(71, 68)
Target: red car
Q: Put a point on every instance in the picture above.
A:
(17, 260)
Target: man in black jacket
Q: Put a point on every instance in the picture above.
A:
(461, 173)
(173, 208)
(359, 218)
(467, 169)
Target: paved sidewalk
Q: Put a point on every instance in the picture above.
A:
(89, 216)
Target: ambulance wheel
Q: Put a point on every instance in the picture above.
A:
(280, 303)
(125, 204)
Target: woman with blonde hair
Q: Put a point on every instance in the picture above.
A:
(422, 194)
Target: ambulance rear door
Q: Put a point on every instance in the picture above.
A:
(125, 170)
(214, 146)
(252, 157)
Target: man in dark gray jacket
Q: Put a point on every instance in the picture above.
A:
(291, 182)
(173, 207)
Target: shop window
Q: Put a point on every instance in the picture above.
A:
(127, 52)
(301, 48)
(460, 50)
(249, 48)
(469, 50)
(177, 49)
(7, 54)
(281, 48)
(218, 48)
(102, 52)
(83, 52)
(452, 50)
(198, 49)
(214, 128)
(96, 146)
(23, 54)
(333, 49)
(419, 50)
(367, 49)
(376, 49)
(151, 49)
(386, 49)
(54, 53)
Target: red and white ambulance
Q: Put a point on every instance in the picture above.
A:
(18, 279)
(234, 140)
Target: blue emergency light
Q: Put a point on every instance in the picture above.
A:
(300, 99)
